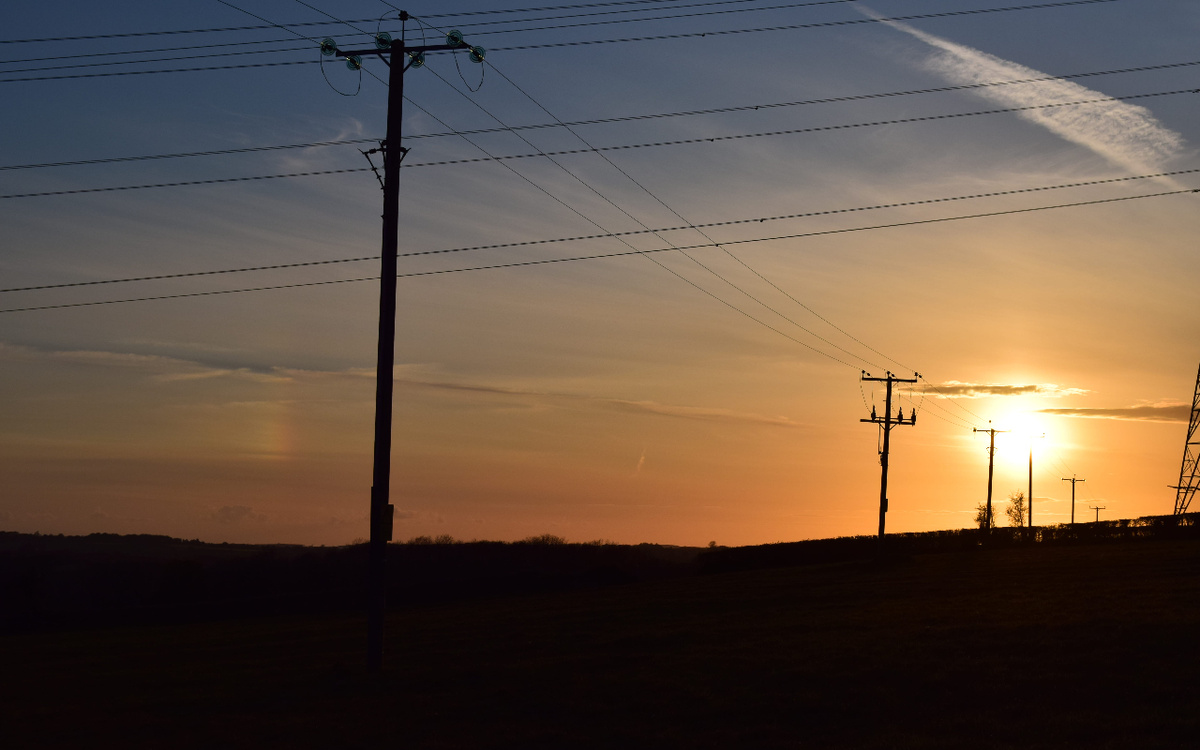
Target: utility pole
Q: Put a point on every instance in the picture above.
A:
(1098, 508)
(1073, 480)
(987, 521)
(1189, 471)
(399, 58)
(888, 422)
(1030, 497)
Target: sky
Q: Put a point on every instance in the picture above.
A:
(657, 336)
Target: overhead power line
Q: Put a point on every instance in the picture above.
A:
(588, 237)
(622, 254)
(799, 131)
(803, 102)
(187, 154)
(797, 26)
(548, 45)
(671, 16)
(216, 181)
(201, 69)
(304, 24)
(594, 149)
(626, 118)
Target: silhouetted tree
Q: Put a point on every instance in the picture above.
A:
(985, 517)
(543, 539)
(1016, 509)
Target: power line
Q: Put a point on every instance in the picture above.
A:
(657, 234)
(827, 100)
(619, 147)
(269, 25)
(629, 118)
(188, 154)
(157, 50)
(793, 27)
(668, 17)
(663, 3)
(175, 32)
(549, 45)
(581, 238)
(601, 256)
(176, 58)
(653, 260)
(800, 131)
(216, 181)
(701, 232)
(240, 66)
(952, 400)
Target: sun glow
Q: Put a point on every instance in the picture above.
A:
(1028, 432)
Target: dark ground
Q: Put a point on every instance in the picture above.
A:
(1056, 645)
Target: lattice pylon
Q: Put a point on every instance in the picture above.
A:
(1189, 472)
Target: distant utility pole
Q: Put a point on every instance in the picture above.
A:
(1073, 480)
(1030, 498)
(987, 521)
(1098, 508)
(399, 58)
(1189, 472)
(888, 422)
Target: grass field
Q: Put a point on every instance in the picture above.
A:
(1073, 646)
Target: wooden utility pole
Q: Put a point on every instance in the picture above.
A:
(887, 422)
(987, 520)
(399, 58)
(1098, 508)
(1073, 480)
(1030, 497)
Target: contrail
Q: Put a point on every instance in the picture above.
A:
(1125, 134)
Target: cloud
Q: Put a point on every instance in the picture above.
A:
(957, 389)
(1149, 413)
(160, 368)
(1125, 134)
(241, 373)
(650, 407)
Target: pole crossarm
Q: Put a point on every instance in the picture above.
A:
(887, 422)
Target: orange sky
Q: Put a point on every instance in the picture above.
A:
(627, 399)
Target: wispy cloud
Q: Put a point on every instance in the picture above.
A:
(1125, 134)
(957, 389)
(651, 407)
(1148, 413)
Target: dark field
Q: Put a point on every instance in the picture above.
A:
(1081, 645)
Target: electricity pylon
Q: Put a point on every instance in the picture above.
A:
(987, 520)
(1189, 472)
(888, 421)
(399, 57)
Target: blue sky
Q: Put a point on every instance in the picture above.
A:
(663, 398)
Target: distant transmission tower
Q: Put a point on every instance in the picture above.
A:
(1189, 478)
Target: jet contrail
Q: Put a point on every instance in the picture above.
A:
(1125, 134)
